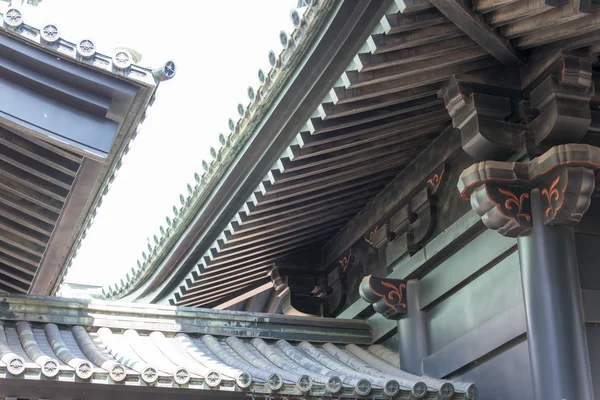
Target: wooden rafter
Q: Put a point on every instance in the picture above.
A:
(477, 29)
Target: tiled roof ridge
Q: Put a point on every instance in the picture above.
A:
(305, 25)
(121, 64)
(76, 353)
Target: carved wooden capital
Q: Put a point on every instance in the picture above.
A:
(388, 296)
(500, 191)
(479, 112)
(562, 100)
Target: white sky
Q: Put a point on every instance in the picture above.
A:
(218, 47)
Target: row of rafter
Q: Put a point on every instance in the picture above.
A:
(35, 180)
(381, 113)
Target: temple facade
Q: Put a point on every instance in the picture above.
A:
(408, 194)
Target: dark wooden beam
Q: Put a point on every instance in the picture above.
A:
(443, 148)
(221, 295)
(249, 295)
(355, 79)
(477, 29)
(368, 62)
(514, 12)
(485, 6)
(341, 95)
(223, 288)
(579, 26)
(382, 43)
(67, 224)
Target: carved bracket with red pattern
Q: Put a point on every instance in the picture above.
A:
(437, 180)
(388, 296)
(346, 261)
(499, 192)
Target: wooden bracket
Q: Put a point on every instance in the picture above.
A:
(563, 102)
(500, 191)
(388, 296)
(480, 112)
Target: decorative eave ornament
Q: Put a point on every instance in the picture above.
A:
(86, 48)
(122, 59)
(388, 296)
(13, 17)
(500, 192)
(50, 33)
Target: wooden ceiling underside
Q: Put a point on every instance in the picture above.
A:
(35, 180)
(381, 113)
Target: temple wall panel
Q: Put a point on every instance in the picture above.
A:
(484, 298)
(593, 337)
(505, 375)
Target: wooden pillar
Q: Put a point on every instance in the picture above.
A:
(412, 332)
(556, 335)
(539, 202)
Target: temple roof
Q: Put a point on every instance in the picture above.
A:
(73, 113)
(316, 162)
(128, 345)
(307, 21)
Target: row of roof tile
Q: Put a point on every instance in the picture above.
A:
(214, 363)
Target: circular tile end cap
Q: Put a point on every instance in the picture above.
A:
(213, 379)
(84, 370)
(50, 33)
(472, 392)
(117, 373)
(122, 59)
(295, 18)
(304, 383)
(419, 390)
(150, 374)
(446, 391)
(86, 48)
(274, 382)
(334, 384)
(363, 387)
(15, 364)
(244, 380)
(50, 368)
(181, 376)
(169, 69)
(391, 388)
(13, 17)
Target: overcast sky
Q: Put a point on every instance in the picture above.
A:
(218, 47)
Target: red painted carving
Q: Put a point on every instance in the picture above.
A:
(369, 237)
(344, 262)
(392, 293)
(513, 200)
(436, 179)
(555, 195)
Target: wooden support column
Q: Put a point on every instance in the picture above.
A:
(412, 332)
(539, 202)
(556, 334)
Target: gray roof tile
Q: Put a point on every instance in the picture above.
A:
(210, 363)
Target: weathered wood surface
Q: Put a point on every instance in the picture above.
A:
(477, 29)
